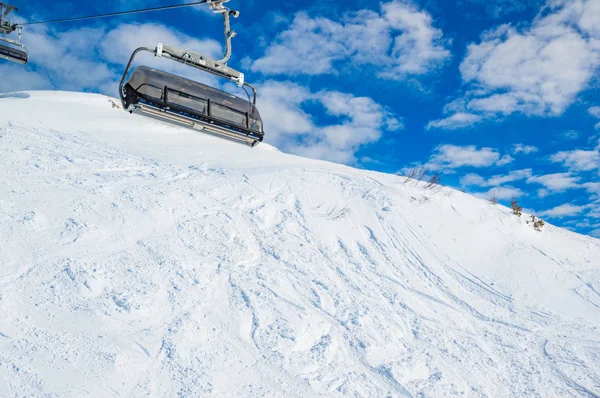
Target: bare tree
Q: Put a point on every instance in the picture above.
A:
(411, 174)
(493, 200)
(433, 181)
(420, 174)
(416, 174)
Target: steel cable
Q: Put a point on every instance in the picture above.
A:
(115, 14)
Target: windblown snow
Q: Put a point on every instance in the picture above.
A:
(138, 259)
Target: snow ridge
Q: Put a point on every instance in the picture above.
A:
(139, 259)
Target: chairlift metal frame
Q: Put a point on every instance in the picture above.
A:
(163, 111)
(13, 50)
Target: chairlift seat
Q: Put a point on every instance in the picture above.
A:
(186, 102)
(14, 54)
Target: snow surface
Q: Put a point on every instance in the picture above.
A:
(138, 259)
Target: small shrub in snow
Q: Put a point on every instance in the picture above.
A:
(538, 223)
(516, 209)
(494, 200)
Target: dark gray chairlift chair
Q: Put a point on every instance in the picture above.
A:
(11, 50)
(183, 102)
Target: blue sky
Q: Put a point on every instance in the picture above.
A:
(500, 96)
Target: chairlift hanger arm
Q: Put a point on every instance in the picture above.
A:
(218, 8)
(6, 27)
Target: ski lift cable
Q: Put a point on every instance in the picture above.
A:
(115, 14)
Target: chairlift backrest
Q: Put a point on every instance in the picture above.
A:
(13, 52)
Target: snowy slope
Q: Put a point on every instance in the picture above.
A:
(138, 259)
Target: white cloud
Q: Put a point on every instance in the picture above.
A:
(92, 59)
(557, 182)
(595, 111)
(398, 41)
(565, 210)
(457, 121)
(543, 192)
(500, 8)
(501, 193)
(595, 233)
(586, 223)
(504, 160)
(15, 78)
(570, 135)
(538, 70)
(473, 179)
(595, 210)
(69, 60)
(590, 15)
(119, 43)
(280, 107)
(578, 160)
(524, 149)
(360, 121)
(363, 119)
(497, 103)
(498, 190)
(592, 187)
(452, 157)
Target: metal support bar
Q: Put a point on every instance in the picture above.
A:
(122, 83)
(192, 59)
(253, 91)
(14, 42)
(202, 62)
(6, 27)
(5, 9)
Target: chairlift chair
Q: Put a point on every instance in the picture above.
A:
(11, 50)
(184, 102)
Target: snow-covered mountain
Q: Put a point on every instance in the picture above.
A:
(138, 259)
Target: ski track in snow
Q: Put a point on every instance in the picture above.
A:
(144, 260)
